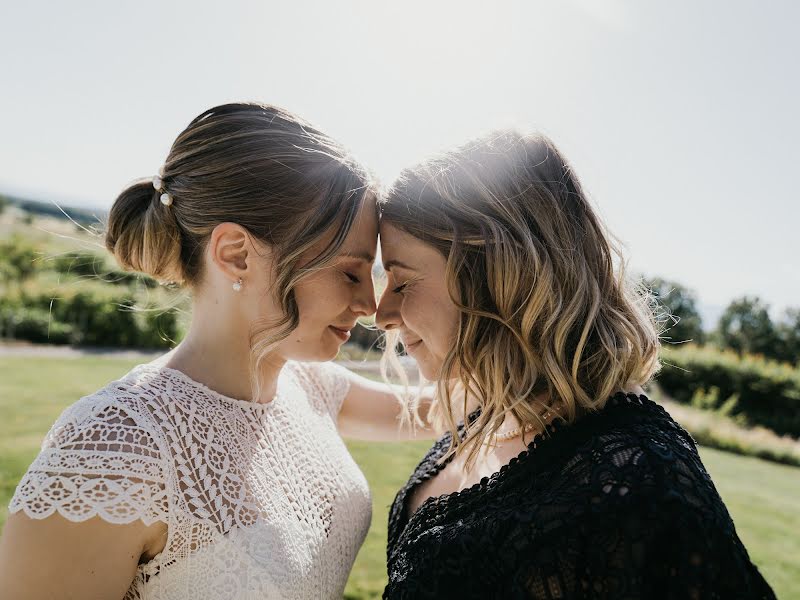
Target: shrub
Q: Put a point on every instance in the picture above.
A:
(34, 325)
(91, 319)
(17, 259)
(750, 388)
(88, 264)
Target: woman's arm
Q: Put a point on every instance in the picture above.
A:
(58, 558)
(371, 411)
(100, 458)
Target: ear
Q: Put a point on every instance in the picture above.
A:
(233, 250)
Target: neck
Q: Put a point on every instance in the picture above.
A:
(217, 354)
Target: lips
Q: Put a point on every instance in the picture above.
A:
(409, 345)
(342, 333)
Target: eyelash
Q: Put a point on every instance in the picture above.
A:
(399, 288)
(351, 277)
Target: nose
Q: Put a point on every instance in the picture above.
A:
(363, 303)
(388, 315)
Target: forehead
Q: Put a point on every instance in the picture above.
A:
(397, 245)
(394, 240)
(361, 240)
(363, 235)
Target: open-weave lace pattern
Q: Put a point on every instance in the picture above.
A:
(616, 506)
(260, 500)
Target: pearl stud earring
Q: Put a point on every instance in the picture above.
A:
(237, 286)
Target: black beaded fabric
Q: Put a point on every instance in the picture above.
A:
(615, 505)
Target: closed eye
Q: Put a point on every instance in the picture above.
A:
(352, 277)
(399, 288)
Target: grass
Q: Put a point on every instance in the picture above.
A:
(762, 499)
(761, 496)
(386, 467)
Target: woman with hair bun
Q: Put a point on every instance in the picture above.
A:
(556, 476)
(217, 471)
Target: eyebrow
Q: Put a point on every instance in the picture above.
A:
(389, 264)
(362, 255)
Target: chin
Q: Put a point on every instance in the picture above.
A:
(323, 351)
(431, 372)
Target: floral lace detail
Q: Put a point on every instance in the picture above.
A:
(260, 500)
(96, 460)
(617, 505)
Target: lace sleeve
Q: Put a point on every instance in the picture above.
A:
(99, 458)
(665, 550)
(328, 385)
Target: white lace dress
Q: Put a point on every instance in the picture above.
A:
(260, 500)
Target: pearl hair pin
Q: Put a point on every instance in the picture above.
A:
(158, 184)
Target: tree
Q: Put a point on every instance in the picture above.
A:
(788, 330)
(746, 327)
(683, 321)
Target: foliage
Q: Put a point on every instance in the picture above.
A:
(34, 325)
(17, 259)
(788, 331)
(684, 322)
(49, 295)
(746, 327)
(716, 429)
(89, 264)
(86, 319)
(749, 388)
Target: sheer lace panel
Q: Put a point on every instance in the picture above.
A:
(97, 459)
(329, 384)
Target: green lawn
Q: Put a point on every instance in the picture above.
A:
(761, 496)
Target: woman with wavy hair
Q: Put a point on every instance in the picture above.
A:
(556, 476)
(217, 471)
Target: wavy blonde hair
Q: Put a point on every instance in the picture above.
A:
(544, 309)
(262, 167)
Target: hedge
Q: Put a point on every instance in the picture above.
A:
(87, 319)
(751, 388)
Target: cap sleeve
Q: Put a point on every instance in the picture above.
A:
(327, 385)
(99, 458)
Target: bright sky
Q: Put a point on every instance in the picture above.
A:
(680, 117)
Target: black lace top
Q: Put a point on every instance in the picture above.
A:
(617, 505)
